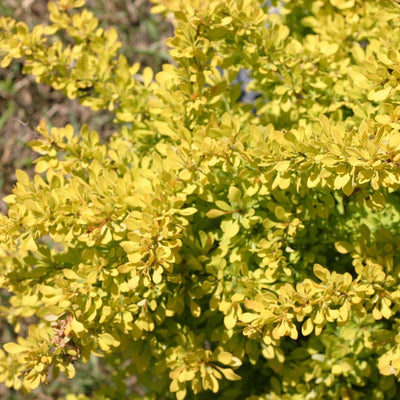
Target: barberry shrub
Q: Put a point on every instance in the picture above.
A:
(232, 239)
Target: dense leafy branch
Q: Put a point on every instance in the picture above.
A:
(210, 240)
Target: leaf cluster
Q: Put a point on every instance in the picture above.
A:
(211, 245)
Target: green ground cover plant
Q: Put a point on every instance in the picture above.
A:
(214, 247)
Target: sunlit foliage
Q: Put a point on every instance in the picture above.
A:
(212, 247)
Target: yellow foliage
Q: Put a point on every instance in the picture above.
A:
(214, 243)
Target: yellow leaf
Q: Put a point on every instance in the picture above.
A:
(341, 180)
(268, 351)
(318, 318)
(321, 273)
(77, 326)
(379, 95)
(181, 394)
(282, 166)
(359, 79)
(237, 297)
(69, 274)
(107, 238)
(396, 363)
(108, 339)
(14, 348)
(230, 320)
(313, 180)
(343, 313)
(188, 211)
(327, 159)
(293, 332)
(129, 247)
(234, 194)
(378, 200)
(41, 166)
(230, 228)
(70, 371)
(229, 374)
(284, 182)
(164, 129)
(223, 206)
(279, 330)
(195, 309)
(224, 357)
(336, 369)
(248, 317)
(209, 382)
(48, 290)
(385, 310)
(147, 76)
(32, 380)
(280, 213)
(214, 213)
(22, 177)
(157, 275)
(376, 313)
(342, 4)
(343, 247)
(348, 188)
(307, 327)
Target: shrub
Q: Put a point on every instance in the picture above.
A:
(239, 238)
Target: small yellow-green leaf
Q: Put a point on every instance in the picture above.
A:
(70, 371)
(280, 213)
(229, 374)
(230, 228)
(341, 180)
(22, 177)
(224, 357)
(69, 274)
(282, 166)
(129, 247)
(14, 348)
(378, 200)
(230, 320)
(32, 380)
(41, 166)
(147, 76)
(234, 194)
(379, 95)
(248, 317)
(307, 327)
(343, 247)
(107, 338)
(77, 326)
(188, 211)
(321, 272)
(214, 213)
(223, 205)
